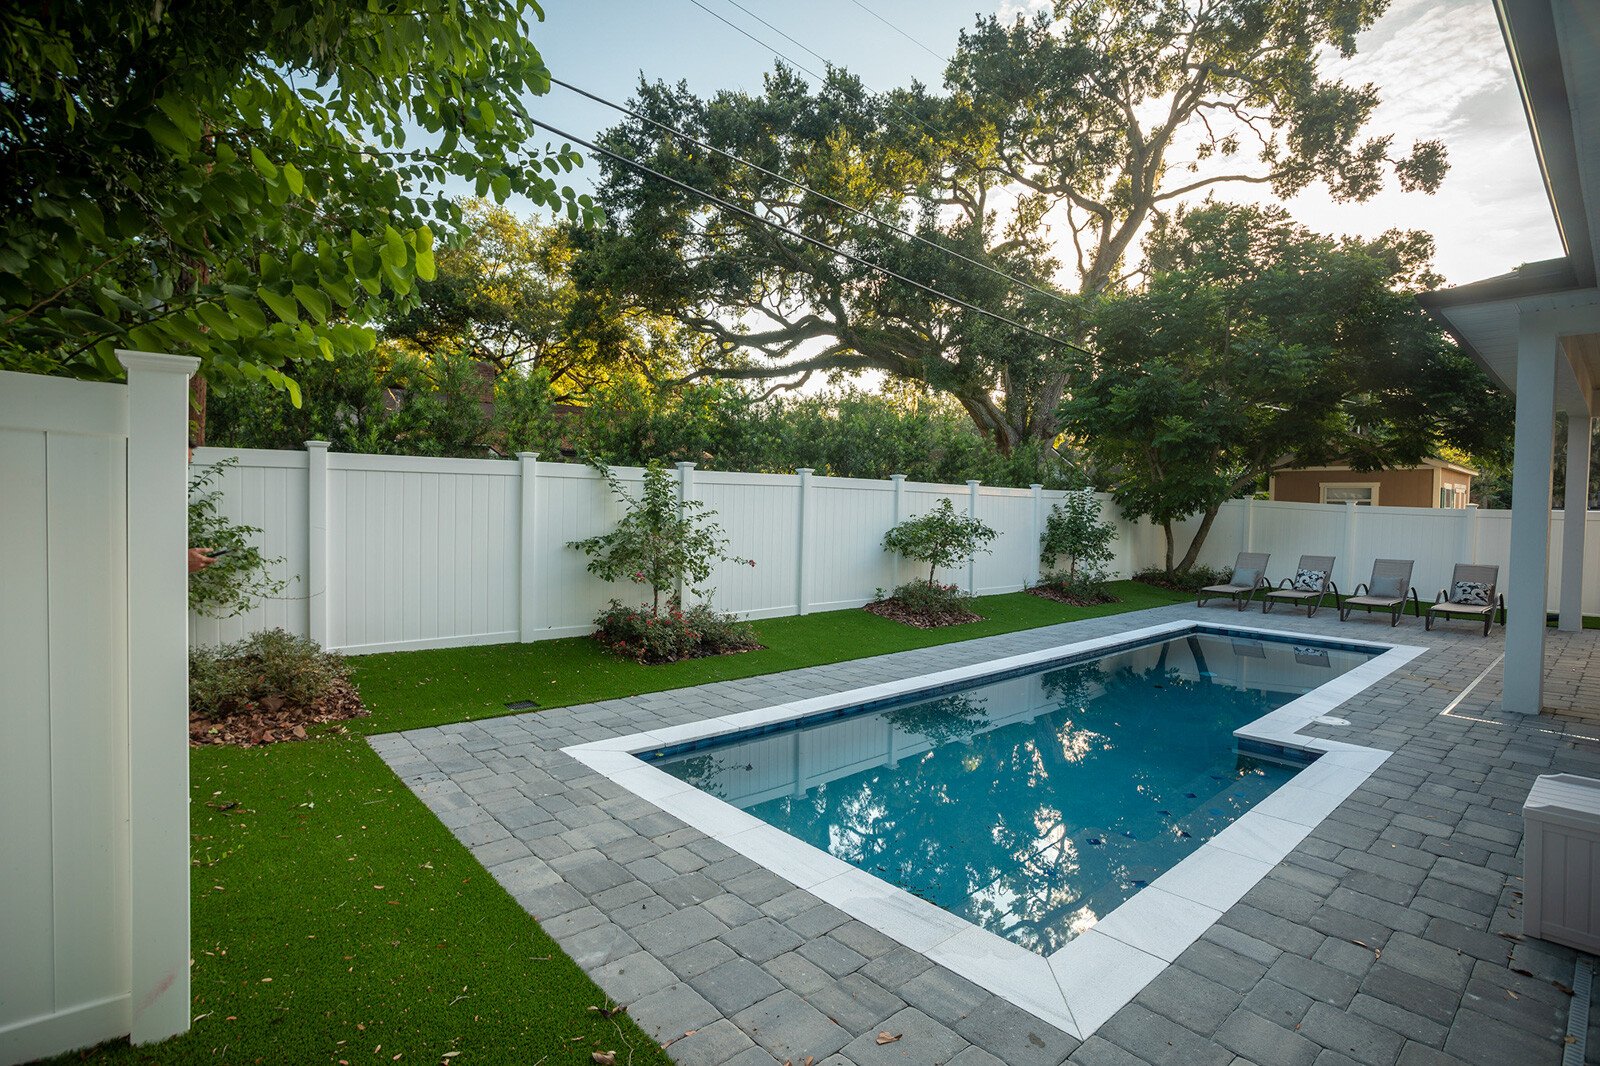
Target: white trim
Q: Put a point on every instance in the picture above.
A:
(1079, 987)
(1324, 486)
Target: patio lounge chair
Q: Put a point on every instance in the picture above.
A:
(1472, 594)
(1249, 574)
(1385, 591)
(1311, 584)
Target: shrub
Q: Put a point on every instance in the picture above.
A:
(271, 671)
(1191, 580)
(925, 604)
(941, 537)
(1082, 589)
(234, 582)
(664, 637)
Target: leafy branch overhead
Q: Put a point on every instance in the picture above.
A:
(237, 182)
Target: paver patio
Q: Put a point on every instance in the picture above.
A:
(1390, 935)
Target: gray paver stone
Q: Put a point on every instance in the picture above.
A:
(922, 1042)
(735, 985)
(790, 1028)
(672, 1012)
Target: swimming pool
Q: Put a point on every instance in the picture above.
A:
(1055, 826)
(1031, 805)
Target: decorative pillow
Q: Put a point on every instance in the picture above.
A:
(1386, 588)
(1247, 578)
(1471, 594)
(1309, 580)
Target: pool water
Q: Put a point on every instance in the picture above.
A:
(1035, 804)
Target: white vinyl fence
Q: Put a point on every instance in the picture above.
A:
(94, 771)
(384, 553)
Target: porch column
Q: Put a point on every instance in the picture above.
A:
(1525, 585)
(1574, 519)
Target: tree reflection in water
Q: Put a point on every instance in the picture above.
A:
(1032, 806)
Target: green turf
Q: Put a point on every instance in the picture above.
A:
(336, 919)
(406, 690)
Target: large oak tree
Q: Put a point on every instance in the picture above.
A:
(1093, 122)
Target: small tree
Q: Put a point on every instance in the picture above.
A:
(939, 538)
(661, 542)
(1074, 531)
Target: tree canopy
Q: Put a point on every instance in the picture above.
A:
(248, 183)
(1258, 345)
(1103, 115)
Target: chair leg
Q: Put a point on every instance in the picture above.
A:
(1394, 615)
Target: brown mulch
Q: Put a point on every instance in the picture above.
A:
(272, 721)
(1049, 593)
(895, 610)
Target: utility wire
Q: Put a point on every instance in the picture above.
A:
(858, 212)
(728, 205)
(903, 33)
(931, 129)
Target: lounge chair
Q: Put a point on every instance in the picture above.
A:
(1472, 594)
(1249, 574)
(1385, 591)
(1311, 584)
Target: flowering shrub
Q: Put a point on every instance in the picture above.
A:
(670, 635)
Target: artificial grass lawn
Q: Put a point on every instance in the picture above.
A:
(335, 918)
(407, 690)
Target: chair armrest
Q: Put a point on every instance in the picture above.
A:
(1358, 589)
(1286, 583)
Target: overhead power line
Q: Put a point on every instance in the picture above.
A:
(901, 32)
(728, 205)
(858, 212)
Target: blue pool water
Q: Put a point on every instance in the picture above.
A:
(1035, 804)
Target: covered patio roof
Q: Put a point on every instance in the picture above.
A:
(1536, 330)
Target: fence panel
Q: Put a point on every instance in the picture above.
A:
(94, 770)
(434, 553)
(266, 490)
(845, 561)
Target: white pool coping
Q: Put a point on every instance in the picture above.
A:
(1079, 987)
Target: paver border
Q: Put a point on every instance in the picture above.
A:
(1082, 985)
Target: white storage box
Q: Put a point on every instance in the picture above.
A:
(1562, 862)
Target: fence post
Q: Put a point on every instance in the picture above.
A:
(1034, 568)
(1349, 552)
(896, 564)
(527, 613)
(158, 698)
(972, 512)
(317, 541)
(802, 594)
(1469, 533)
(1249, 524)
(685, 494)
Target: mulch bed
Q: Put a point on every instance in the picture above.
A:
(272, 721)
(1046, 592)
(895, 610)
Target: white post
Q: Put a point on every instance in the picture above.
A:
(1249, 524)
(972, 563)
(1574, 520)
(1349, 552)
(158, 696)
(1526, 591)
(1035, 568)
(527, 561)
(317, 541)
(896, 564)
(802, 595)
(685, 494)
(1469, 533)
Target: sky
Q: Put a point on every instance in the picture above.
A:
(1440, 66)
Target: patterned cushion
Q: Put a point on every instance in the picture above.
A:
(1309, 580)
(1471, 594)
(1386, 588)
(1247, 578)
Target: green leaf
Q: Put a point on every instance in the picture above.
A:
(167, 135)
(501, 184)
(282, 306)
(314, 301)
(263, 165)
(293, 179)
